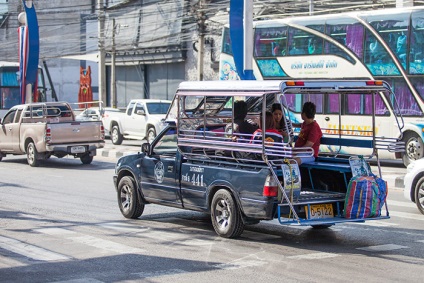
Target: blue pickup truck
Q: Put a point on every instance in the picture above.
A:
(200, 162)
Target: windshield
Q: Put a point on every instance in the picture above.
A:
(158, 107)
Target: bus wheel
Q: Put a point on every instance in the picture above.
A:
(414, 148)
(225, 214)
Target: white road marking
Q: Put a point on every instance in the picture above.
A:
(383, 248)
(90, 240)
(406, 215)
(30, 251)
(400, 203)
(123, 227)
(106, 245)
(313, 256)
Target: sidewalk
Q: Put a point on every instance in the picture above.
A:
(116, 151)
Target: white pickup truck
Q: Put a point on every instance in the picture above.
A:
(41, 130)
(141, 120)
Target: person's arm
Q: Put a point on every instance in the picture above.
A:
(296, 125)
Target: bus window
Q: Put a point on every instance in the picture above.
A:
(347, 34)
(394, 30)
(317, 99)
(408, 106)
(314, 42)
(361, 104)
(270, 42)
(333, 104)
(418, 84)
(298, 41)
(416, 64)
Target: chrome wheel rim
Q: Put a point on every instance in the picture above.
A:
(420, 196)
(413, 149)
(126, 198)
(31, 154)
(222, 214)
(151, 136)
(114, 135)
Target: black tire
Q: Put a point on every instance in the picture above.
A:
(414, 148)
(225, 215)
(86, 159)
(323, 226)
(1, 157)
(129, 204)
(419, 194)
(116, 135)
(32, 155)
(151, 134)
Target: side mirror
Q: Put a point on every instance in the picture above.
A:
(145, 148)
(141, 112)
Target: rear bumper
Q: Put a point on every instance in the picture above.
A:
(67, 148)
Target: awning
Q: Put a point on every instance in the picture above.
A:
(84, 57)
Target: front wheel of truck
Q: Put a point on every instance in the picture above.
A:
(129, 204)
(226, 218)
(32, 155)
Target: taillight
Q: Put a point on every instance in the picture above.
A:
(48, 135)
(270, 187)
(295, 83)
(102, 132)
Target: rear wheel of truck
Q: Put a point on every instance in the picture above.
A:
(129, 204)
(116, 135)
(226, 218)
(86, 159)
(151, 134)
(32, 155)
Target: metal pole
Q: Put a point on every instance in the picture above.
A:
(112, 69)
(102, 53)
(200, 57)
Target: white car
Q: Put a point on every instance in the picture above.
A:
(95, 113)
(414, 183)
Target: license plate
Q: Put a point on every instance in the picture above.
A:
(78, 149)
(320, 211)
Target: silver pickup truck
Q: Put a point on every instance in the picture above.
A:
(41, 130)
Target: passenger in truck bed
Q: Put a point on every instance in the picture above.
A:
(272, 135)
(310, 132)
(240, 124)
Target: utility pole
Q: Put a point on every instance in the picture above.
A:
(113, 63)
(201, 17)
(102, 52)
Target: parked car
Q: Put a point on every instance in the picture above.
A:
(97, 114)
(414, 183)
(41, 130)
(142, 120)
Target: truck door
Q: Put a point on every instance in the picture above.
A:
(159, 178)
(9, 131)
(137, 123)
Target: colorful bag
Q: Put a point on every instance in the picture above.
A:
(365, 197)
